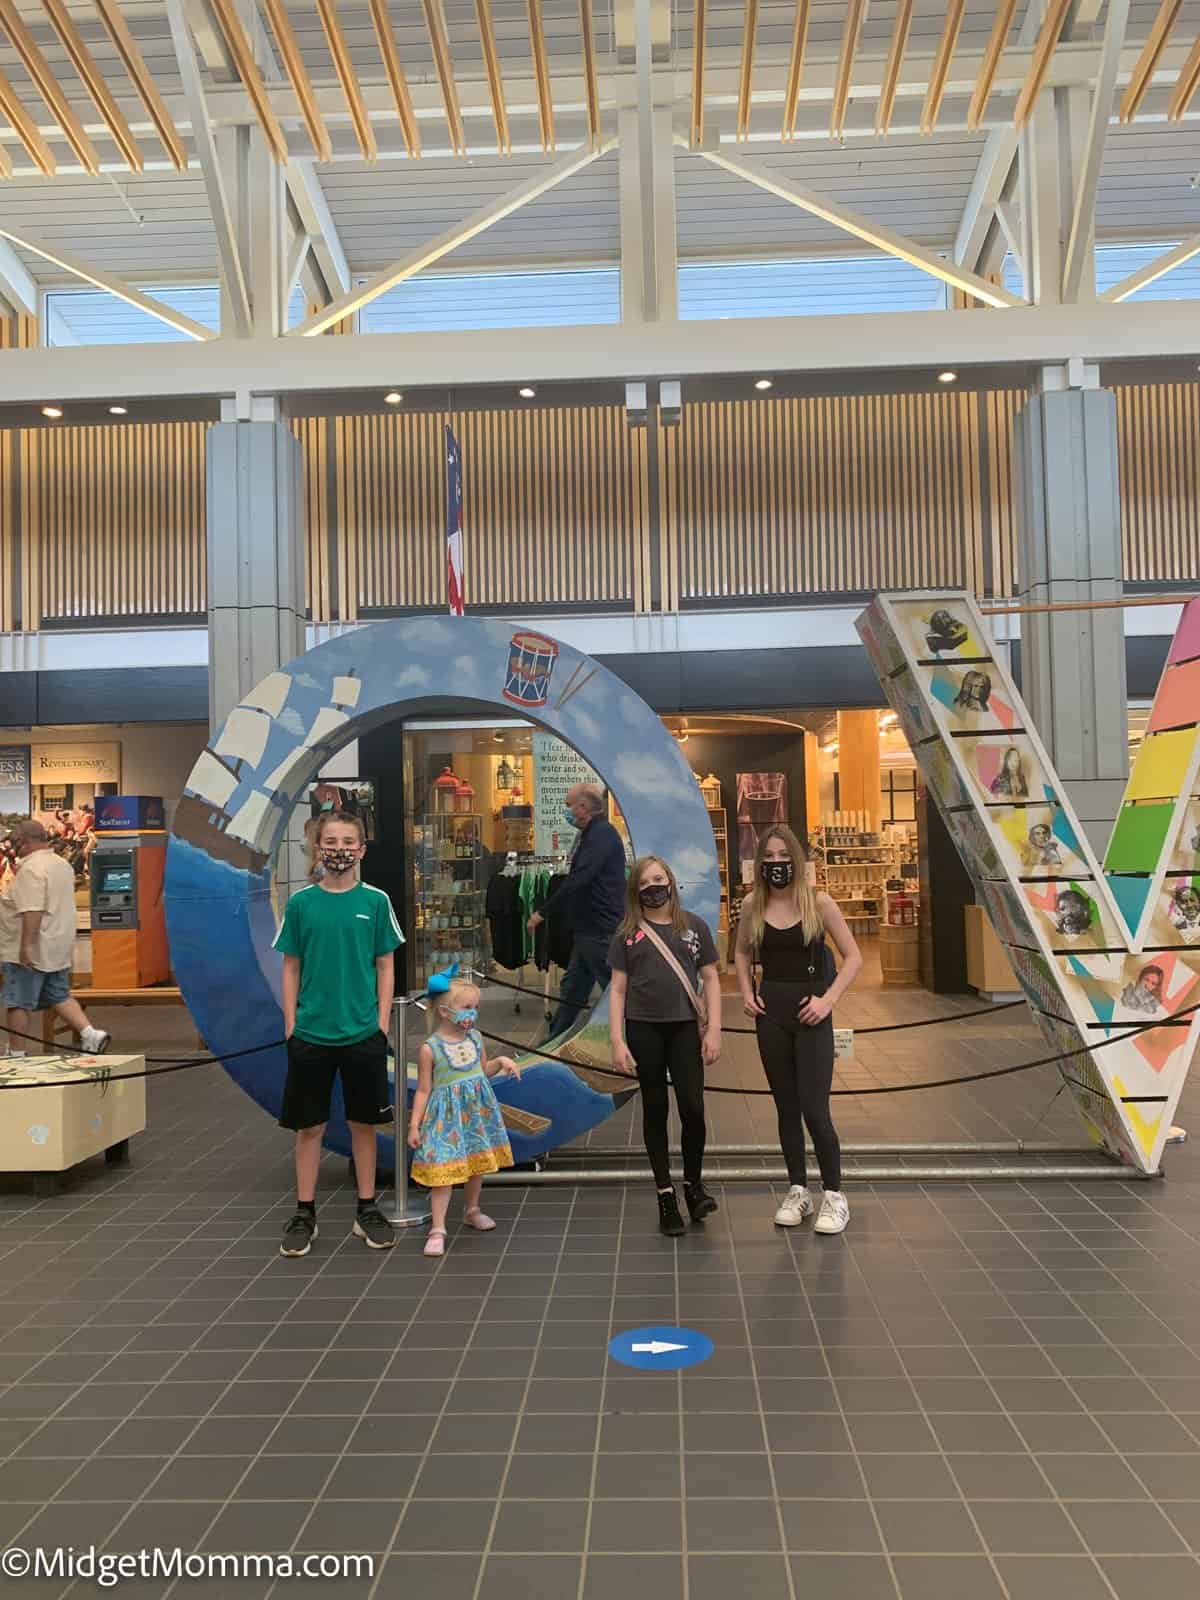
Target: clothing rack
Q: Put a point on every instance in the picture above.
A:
(516, 864)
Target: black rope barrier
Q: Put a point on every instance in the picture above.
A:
(1132, 1030)
(163, 1065)
(887, 1027)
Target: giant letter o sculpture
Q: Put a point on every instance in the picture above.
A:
(244, 789)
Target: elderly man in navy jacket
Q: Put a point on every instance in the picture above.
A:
(593, 900)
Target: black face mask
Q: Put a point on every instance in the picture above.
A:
(655, 896)
(778, 874)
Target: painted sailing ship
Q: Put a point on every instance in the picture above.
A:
(242, 837)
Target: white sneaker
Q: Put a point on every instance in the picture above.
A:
(835, 1214)
(797, 1205)
(95, 1041)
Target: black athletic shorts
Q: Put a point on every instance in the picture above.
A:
(312, 1068)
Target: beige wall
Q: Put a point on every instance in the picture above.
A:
(155, 757)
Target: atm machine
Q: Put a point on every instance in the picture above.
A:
(128, 866)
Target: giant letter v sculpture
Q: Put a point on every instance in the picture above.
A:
(1103, 953)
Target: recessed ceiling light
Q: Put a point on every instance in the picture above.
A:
(117, 411)
(947, 377)
(527, 393)
(765, 383)
(51, 411)
(393, 398)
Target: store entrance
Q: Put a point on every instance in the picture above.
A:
(487, 839)
(847, 781)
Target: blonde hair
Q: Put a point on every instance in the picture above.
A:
(634, 914)
(453, 1000)
(754, 907)
(316, 826)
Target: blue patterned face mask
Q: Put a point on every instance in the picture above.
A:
(464, 1018)
(569, 815)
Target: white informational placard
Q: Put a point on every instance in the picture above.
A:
(556, 769)
(843, 1044)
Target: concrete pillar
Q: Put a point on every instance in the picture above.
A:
(255, 556)
(1073, 662)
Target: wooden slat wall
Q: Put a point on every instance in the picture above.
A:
(821, 495)
(8, 544)
(312, 433)
(1001, 408)
(761, 498)
(1158, 428)
(555, 509)
(113, 520)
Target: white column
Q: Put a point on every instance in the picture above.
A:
(255, 552)
(1073, 662)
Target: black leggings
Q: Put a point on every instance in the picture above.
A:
(798, 1062)
(674, 1047)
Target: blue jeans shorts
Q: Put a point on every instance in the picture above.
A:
(28, 990)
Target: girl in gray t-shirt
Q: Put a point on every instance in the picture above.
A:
(665, 1019)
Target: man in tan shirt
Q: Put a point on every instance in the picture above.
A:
(37, 939)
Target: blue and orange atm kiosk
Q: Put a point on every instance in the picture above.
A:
(128, 865)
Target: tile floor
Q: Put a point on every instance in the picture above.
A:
(988, 1390)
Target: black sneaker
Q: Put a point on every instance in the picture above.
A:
(669, 1220)
(374, 1229)
(299, 1235)
(700, 1203)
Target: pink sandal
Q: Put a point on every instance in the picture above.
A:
(435, 1244)
(475, 1218)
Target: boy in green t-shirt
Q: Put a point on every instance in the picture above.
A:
(337, 939)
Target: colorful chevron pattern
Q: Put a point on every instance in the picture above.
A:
(1097, 949)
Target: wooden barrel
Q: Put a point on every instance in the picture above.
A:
(899, 957)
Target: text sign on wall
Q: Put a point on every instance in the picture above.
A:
(556, 769)
(14, 780)
(55, 764)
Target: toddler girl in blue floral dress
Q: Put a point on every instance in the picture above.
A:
(456, 1127)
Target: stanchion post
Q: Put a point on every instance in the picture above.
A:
(401, 1214)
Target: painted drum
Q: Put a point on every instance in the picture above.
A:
(531, 661)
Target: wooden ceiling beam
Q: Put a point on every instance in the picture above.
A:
(92, 79)
(397, 80)
(791, 96)
(40, 70)
(856, 11)
(439, 42)
(591, 77)
(746, 74)
(1053, 23)
(344, 67)
(951, 28)
(491, 62)
(991, 60)
(1143, 72)
(26, 129)
(138, 74)
(895, 60)
(293, 65)
(241, 52)
(1185, 85)
(541, 72)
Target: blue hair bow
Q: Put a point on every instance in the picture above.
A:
(439, 982)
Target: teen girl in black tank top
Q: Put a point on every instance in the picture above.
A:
(783, 928)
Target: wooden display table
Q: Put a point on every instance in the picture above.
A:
(989, 971)
(47, 1130)
(165, 995)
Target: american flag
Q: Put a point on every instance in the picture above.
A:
(455, 591)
